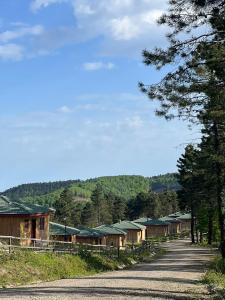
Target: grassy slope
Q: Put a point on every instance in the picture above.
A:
(23, 267)
(125, 186)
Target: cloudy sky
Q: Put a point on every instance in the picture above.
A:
(69, 104)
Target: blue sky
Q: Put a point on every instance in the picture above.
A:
(70, 105)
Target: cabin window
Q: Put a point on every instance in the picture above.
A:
(42, 223)
(26, 224)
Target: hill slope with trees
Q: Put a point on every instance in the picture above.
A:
(124, 186)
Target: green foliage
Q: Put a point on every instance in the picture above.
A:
(65, 208)
(122, 186)
(152, 205)
(215, 276)
(23, 267)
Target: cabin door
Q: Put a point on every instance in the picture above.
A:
(33, 228)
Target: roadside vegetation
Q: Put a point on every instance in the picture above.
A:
(23, 267)
(215, 276)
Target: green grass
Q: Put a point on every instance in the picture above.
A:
(215, 276)
(23, 267)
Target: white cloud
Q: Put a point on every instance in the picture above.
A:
(11, 52)
(125, 26)
(65, 109)
(9, 35)
(38, 4)
(94, 66)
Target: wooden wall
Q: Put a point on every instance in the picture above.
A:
(116, 240)
(135, 236)
(21, 226)
(186, 225)
(174, 228)
(159, 230)
(61, 238)
(91, 240)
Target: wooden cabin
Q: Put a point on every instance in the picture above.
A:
(142, 220)
(61, 232)
(90, 236)
(185, 222)
(135, 231)
(174, 224)
(26, 221)
(175, 215)
(114, 236)
(156, 227)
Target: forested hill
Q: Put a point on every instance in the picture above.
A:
(124, 186)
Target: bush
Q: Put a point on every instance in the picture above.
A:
(215, 276)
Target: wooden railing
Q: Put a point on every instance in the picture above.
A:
(11, 243)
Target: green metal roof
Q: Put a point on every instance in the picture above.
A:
(185, 217)
(59, 229)
(169, 219)
(90, 232)
(156, 222)
(8, 207)
(110, 229)
(128, 225)
(142, 220)
(176, 215)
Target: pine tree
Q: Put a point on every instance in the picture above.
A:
(188, 177)
(119, 206)
(88, 215)
(64, 208)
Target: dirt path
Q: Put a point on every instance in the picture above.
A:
(175, 276)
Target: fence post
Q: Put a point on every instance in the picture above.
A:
(10, 244)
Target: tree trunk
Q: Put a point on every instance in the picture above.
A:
(219, 187)
(210, 227)
(201, 237)
(192, 225)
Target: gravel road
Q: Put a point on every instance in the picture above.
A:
(175, 276)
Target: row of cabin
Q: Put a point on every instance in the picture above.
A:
(32, 221)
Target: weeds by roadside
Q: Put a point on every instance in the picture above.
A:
(23, 267)
(215, 277)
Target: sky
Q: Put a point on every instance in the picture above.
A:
(70, 106)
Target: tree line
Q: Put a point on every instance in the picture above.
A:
(108, 208)
(195, 90)
(125, 186)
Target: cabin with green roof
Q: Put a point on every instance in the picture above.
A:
(61, 232)
(90, 236)
(142, 220)
(135, 231)
(27, 221)
(114, 236)
(185, 222)
(156, 227)
(175, 224)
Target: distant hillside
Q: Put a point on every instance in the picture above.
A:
(125, 186)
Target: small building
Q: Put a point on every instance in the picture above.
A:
(26, 221)
(61, 232)
(142, 220)
(135, 231)
(114, 236)
(175, 224)
(175, 215)
(90, 236)
(185, 222)
(156, 227)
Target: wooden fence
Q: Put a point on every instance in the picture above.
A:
(11, 243)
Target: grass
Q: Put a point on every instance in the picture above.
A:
(23, 267)
(215, 276)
